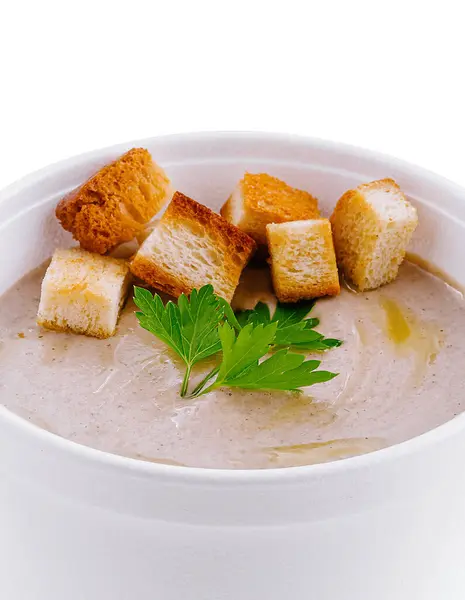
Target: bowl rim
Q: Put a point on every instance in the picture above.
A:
(201, 475)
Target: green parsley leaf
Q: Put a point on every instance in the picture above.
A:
(243, 351)
(281, 371)
(318, 345)
(285, 314)
(190, 328)
(290, 314)
(296, 334)
(331, 343)
(259, 315)
(229, 314)
(293, 328)
(311, 323)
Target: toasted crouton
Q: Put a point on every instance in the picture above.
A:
(303, 263)
(192, 246)
(116, 203)
(261, 199)
(372, 227)
(83, 293)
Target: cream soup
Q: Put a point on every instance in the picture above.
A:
(400, 374)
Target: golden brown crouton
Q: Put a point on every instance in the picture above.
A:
(261, 199)
(83, 293)
(192, 246)
(303, 263)
(372, 227)
(116, 203)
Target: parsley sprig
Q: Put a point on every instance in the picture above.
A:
(204, 324)
(189, 327)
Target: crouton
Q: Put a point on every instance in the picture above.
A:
(83, 293)
(372, 227)
(261, 199)
(192, 246)
(116, 203)
(303, 263)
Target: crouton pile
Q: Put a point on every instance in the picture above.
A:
(84, 288)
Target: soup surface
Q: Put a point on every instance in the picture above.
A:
(400, 374)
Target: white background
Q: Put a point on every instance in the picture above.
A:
(80, 75)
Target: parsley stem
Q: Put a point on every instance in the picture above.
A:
(185, 381)
(198, 389)
(205, 390)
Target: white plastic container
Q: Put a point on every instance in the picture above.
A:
(79, 524)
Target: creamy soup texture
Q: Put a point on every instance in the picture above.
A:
(400, 374)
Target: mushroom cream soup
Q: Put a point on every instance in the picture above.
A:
(400, 373)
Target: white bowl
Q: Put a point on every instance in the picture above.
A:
(81, 524)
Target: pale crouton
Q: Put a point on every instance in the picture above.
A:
(303, 263)
(261, 199)
(115, 204)
(83, 293)
(192, 246)
(372, 227)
